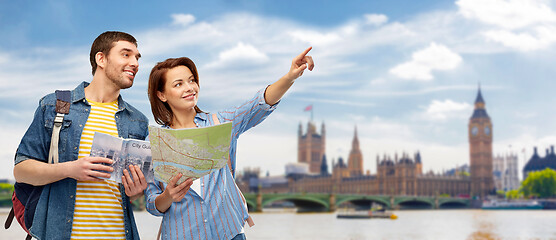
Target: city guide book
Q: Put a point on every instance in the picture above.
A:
(124, 152)
(194, 152)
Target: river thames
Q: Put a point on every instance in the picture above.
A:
(417, 224)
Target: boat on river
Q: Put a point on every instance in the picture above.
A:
(511, 205)
(353, 214)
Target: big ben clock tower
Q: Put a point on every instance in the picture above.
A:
(480, 149)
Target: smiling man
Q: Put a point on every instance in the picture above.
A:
(75, 202)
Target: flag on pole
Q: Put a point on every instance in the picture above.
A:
(308, 108)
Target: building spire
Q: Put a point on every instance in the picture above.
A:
(355, 142)
(480, 110)
(479, 96)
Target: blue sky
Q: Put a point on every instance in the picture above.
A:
(405, 72)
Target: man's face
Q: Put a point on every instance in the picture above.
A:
(122, 64)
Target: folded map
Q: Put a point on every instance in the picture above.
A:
(194, 152)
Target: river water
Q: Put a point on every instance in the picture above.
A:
(416, 224)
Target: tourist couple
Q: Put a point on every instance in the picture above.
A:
(77, 204)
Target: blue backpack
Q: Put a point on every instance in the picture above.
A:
(26, 196)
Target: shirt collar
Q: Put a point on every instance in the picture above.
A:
(201, 116)
(78, 94)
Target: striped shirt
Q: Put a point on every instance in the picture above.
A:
(98, 205)
(218, 210)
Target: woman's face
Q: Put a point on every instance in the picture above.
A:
(180, 90)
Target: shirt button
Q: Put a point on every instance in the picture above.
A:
(202, 202)
(80, 125)
(75, 148)
(117, 117)
(69, 220)
(86, 110)
(71, 196)
(202, 184)
(206, 220)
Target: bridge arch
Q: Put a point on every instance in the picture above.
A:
(381, 200)
(415, 203)
(453, 203)
(303, 202)
(251, 205)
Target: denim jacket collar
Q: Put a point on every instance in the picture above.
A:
(78, 94)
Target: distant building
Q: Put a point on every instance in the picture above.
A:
(462, 170)
(355, 159)
(311, 147)
(480, 150)
(395, 176)
(536, 163)
(505, 172)
(324, 167)
(297, 168)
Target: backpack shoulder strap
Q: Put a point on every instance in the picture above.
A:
(63, 102)
(215, 119)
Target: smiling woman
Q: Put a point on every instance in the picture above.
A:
(173, 92)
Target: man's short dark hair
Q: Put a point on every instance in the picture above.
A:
(105, 41)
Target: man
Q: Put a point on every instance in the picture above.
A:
(75, 202)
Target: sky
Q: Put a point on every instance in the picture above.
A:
(405, 73)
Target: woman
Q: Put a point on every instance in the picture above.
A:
(211, 207)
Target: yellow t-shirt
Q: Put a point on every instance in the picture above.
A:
(98, 205)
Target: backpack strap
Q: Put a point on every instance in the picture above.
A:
(215, 119)
(10, 218)
(63, 102)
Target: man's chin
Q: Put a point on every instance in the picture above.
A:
(125, 83)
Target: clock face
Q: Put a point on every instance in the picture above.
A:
(487, 131)
(474, 131)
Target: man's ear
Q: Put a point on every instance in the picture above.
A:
(161, 96)
(100, 58)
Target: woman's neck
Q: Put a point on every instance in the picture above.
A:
(184, 119)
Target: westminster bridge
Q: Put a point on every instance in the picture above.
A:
(325, 202)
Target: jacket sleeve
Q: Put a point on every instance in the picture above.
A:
(35, 144)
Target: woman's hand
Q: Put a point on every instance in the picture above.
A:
(172, 193)
(300, 63)
(177, 192)
(276, 91)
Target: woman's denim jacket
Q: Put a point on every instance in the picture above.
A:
(54, 212)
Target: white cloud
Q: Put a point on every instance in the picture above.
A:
(182, 19)
(524, 25)
(315, 38)
(541, 38)
(423, 62)
(442, 110)
(376, 19)
(241, 54)
(509, 14)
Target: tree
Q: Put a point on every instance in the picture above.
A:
(540, 184)
(6, 188)
(514, 194)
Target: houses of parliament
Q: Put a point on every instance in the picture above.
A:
(396, 175)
